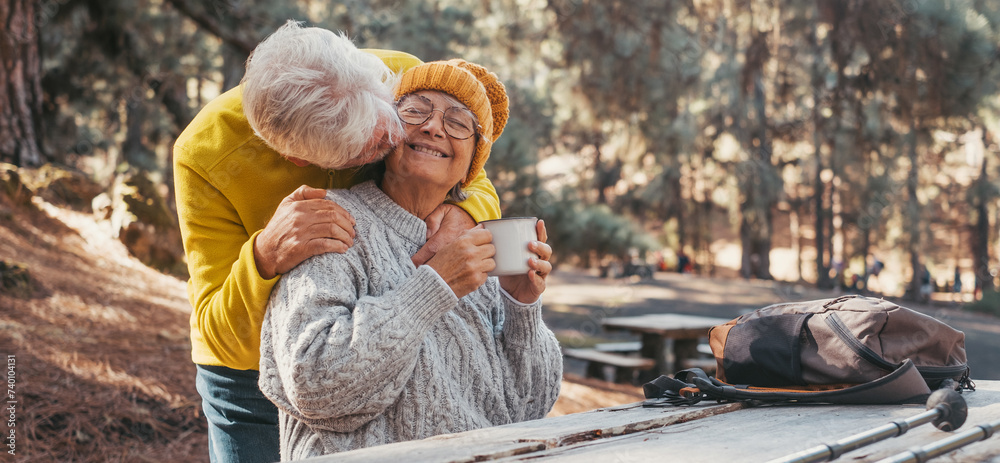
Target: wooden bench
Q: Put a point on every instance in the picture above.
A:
(705, 361)
(596, 361)
(629, 347)
(667, 338)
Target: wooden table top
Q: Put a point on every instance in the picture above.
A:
(704, 432)
(665, 324)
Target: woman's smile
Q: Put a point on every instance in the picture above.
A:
(427, 151)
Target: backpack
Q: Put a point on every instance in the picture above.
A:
(846, 350)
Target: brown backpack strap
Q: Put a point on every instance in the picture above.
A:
(903, 385)
(679, 390)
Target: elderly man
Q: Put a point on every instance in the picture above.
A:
(250, 209)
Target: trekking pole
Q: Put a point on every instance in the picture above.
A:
(945, 408)
(943, 446)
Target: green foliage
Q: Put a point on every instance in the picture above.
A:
(666, 112)
(589, 233)
(430, 30)
(988, 304)
(529, 128)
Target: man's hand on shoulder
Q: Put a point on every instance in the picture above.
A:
(304, 225)
(444, 226)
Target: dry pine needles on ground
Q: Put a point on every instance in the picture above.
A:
(102, 364)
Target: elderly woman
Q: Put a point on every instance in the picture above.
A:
(362, 348)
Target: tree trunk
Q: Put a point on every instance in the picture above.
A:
(705, 260)
(206, 21)
(172, 92)
(840, 51)
(21, 75)
(233, 66)
(913, 210)
(676, 207)
(981, 232)
(795, 237)
(760, 182)
(133, 150)
(232, 15)
(819, 190)
(819, 211)
(758, 209)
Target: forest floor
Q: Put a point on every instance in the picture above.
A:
(101, 356)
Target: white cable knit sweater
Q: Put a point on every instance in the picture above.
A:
(361, 349)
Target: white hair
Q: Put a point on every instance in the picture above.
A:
(311, 94)
(457, 193)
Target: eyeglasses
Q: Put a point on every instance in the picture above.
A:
(459, 123)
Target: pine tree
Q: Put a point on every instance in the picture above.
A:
(21, 128)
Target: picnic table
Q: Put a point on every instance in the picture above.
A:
(667, 338)
(704, 432)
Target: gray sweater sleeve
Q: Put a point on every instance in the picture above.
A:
(534, 359)
(336, 355)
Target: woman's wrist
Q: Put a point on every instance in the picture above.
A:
(518, 302)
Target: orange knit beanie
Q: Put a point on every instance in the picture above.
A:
(475, 87)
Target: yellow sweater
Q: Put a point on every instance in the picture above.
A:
(228, 184)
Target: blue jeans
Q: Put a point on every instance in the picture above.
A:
(242, 423)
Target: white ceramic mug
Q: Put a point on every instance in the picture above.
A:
(511, 237)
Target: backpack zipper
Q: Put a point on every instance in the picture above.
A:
(933, 373)
(929, 373)
(943, 371)
(863, 351)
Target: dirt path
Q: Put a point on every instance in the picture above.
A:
(576, 302)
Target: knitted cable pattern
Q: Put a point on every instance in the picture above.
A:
(362, 348)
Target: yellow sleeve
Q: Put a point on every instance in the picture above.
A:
(227, 294)
(483, 203)
(396, 61)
